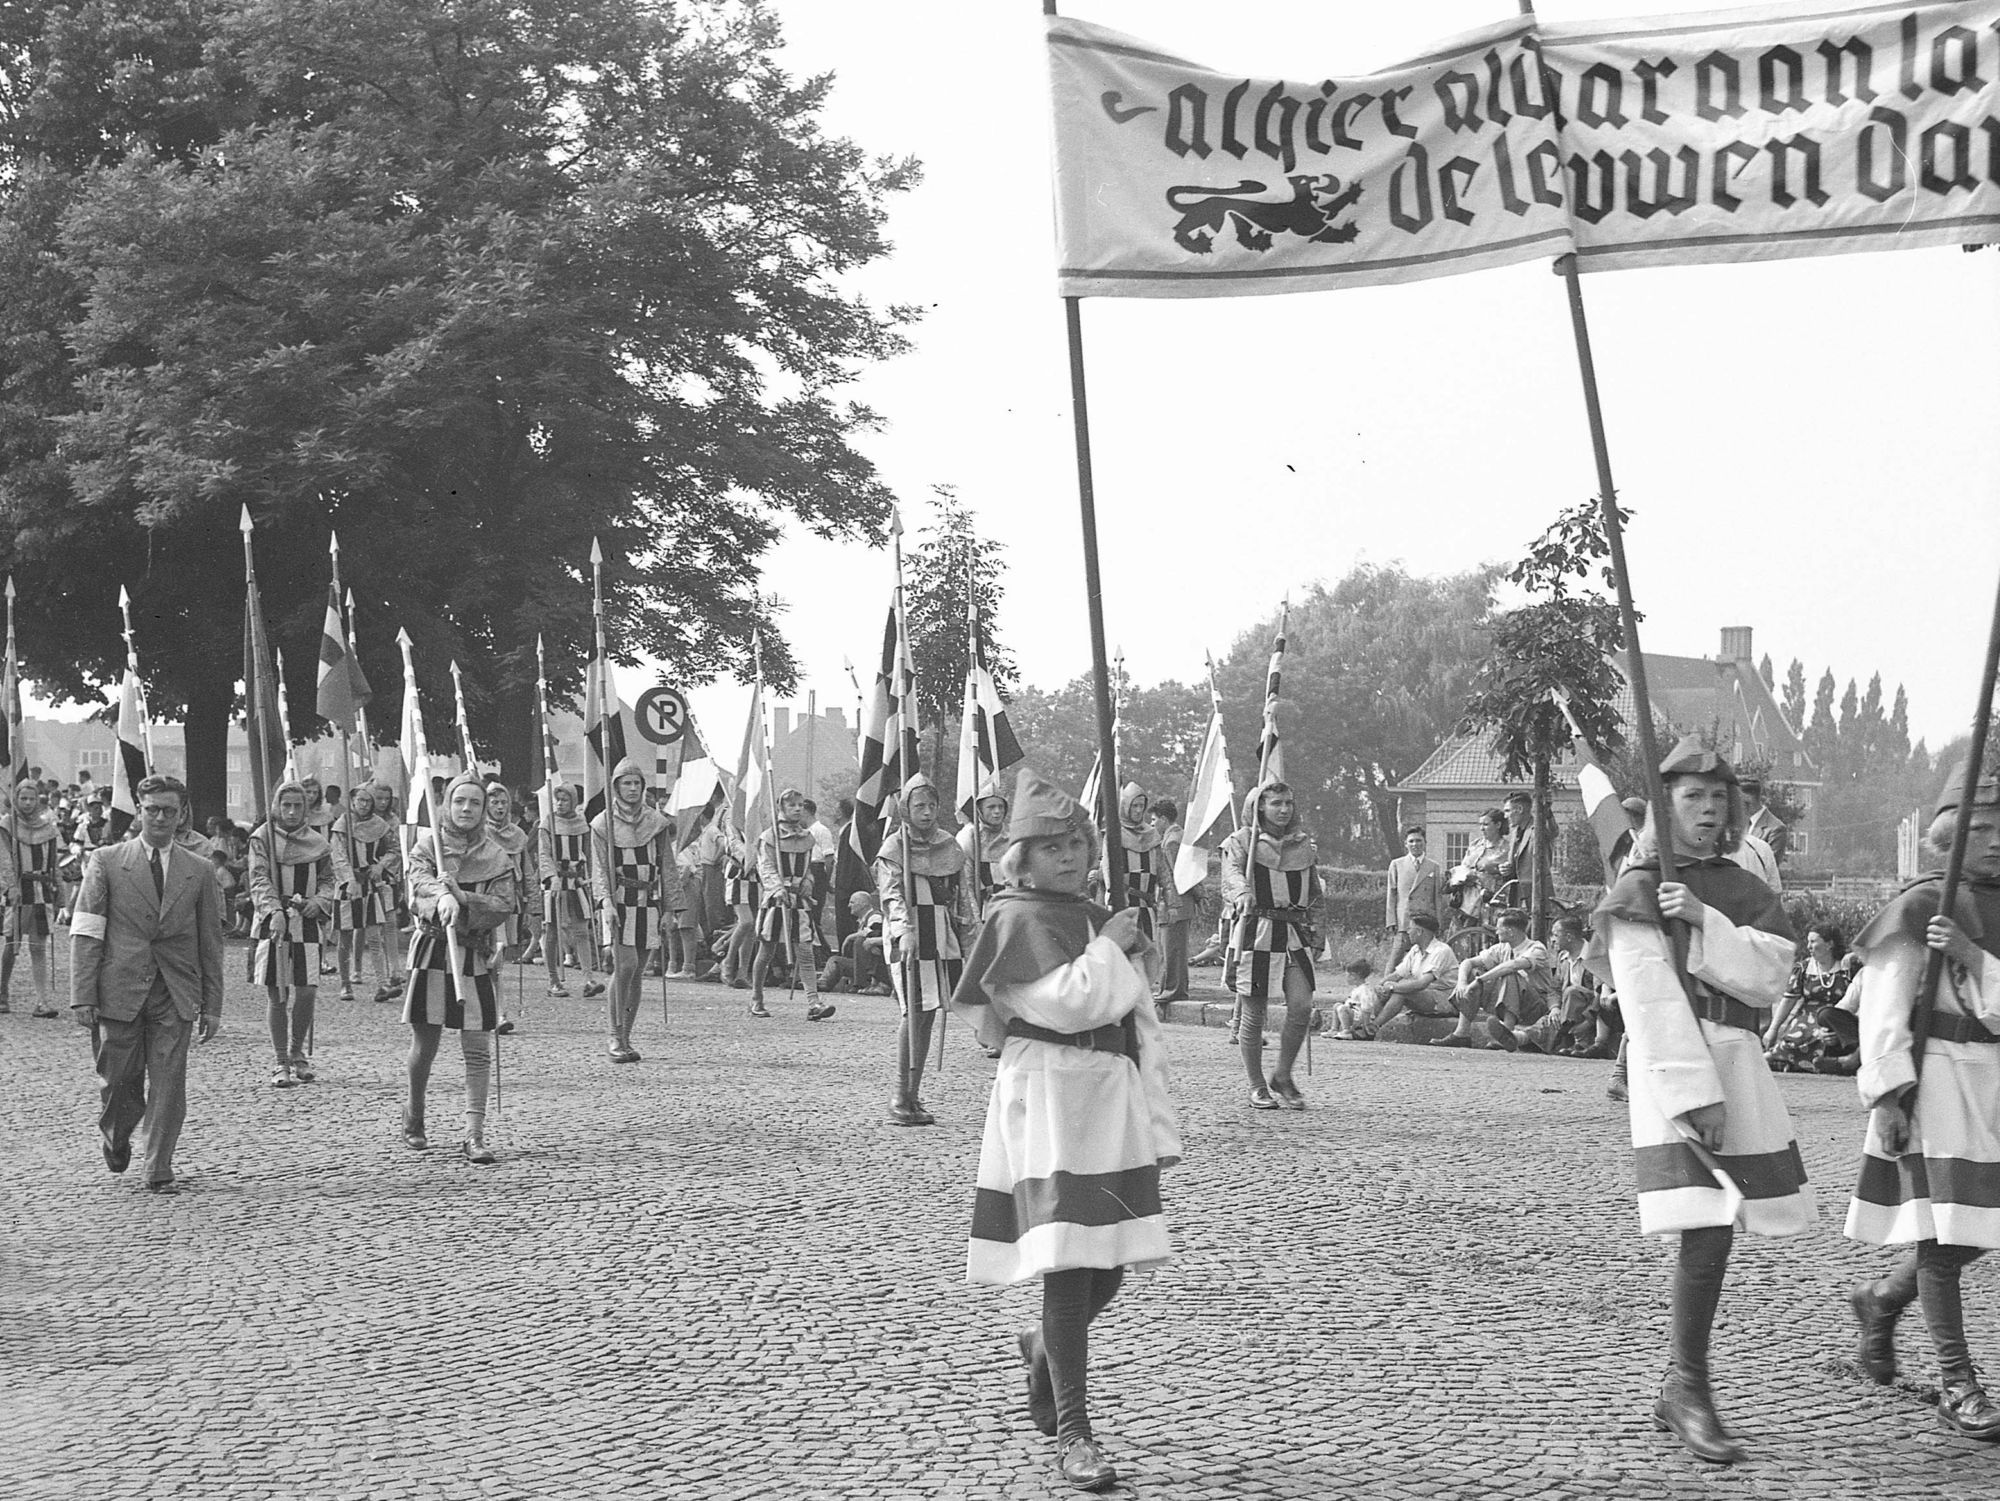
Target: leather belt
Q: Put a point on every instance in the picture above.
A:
(1299, 915)
(1729, 1011)
(1949, 1026)
(1109, 1038)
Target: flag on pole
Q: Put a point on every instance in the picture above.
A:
(751, 799)
(1091, 799)
(263, 718)
(14, 752)
(337, 702)
(605, 725)
(986, 743)
(468, 761)
(1210, 801)
(416, 754)
(700, 796)
(888, 741)
(1601, 803)
(1270, 750)
(130, 769)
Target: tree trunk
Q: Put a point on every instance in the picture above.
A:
(206, 733)
(1539, 913)
(517, 739)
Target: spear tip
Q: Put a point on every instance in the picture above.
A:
(350, 601)
(244, 525)
(124, 599)
(333, 543)
(596, 551)
(10, 588)
(402, 638)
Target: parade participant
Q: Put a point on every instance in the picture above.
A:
(146, 962)
(929, 926)
(684, 950)
(320, 814)
(1141, 843)
(1172, 909)
(1712, 1140)
(1270, 884)
(1509, 979)
(471, 896)
(365, 910)
(984, 841)
(294, 904)
(639, 840)
(34, 886)
(511, 937)
(565, 865)
(784, 854)
(1929, 1165)
(819, 882)
(1080, 1121)
(745, 894)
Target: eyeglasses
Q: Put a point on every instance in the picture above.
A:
(154, 810)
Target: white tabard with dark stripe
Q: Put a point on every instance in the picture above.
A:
(1947, 1187)
(1069, 1168)
(1680, 1062)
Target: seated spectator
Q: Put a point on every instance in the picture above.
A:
(1581, 1022)
(1509, 981)
(1421, 982)
(1354, 1018)
(1818, 1028)
(859, 966)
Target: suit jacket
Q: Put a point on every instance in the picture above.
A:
(1414, 886)
(122, 935)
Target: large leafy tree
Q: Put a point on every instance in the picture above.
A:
(1159, 738)
(472, 282)
(951, 569)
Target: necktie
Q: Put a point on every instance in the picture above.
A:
(159, 880)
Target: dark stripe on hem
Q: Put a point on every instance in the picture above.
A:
(1761, 1175)
(1942, 1180)
(1088, 1199)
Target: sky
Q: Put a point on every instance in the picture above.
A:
(1807, 446)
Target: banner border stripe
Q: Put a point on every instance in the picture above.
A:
(1273, 272)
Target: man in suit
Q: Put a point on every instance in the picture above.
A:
(1758, 819)
(1416, 884)
(146, 952)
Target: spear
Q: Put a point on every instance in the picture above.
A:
(603, 691)
(260, 750)
(912, 736)
(132, 666)
(284, 712)
(431, 807)
(464, 724)
(360, 941)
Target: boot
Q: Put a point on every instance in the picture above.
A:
(1041, 1390)
(1875, 1352)
(1688, 1412)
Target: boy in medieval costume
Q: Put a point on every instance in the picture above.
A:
(640, 842)
(929, 925)
(984, 841)
(366, 910)
(511, 937)
(467, 899)
(565, 865)
(1712, 1140)
(1930, 1162)
(34, 849)
(1270, 883)
(1080, 1122)
(784, 860)
(294, 902)
(1141, 842)
(744, 894)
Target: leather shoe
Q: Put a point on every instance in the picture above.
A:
(1454, 1040)
(1964, 1405)
(1260, 1099)
(1689, 1414)
(162, 1186)
(1503, 1035)
(1875, 1352)
(1041, 1388)
(903, 1113)
(1286, 1093)
(1084, 1467)
(117, 1154)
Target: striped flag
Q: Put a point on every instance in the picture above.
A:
(130, 768)
(1209, 801)
(1601, 803)
(338, 702)
(551, 771)
(888, 741)
(14, 749)
(700, 795)
(1270, 751)
(263, 715)
(749, 803)
(986, 743)
(607, 733)
(1091, 799)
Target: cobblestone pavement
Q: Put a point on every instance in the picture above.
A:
(720, 1274)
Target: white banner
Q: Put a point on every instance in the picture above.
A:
(1737, 135)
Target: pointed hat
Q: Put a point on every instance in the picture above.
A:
(1041, 809)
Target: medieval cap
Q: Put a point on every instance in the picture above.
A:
(627, 767)
(1692, 758)
(467, 778)
(1985, 791)
(1636, 806)
(1041, 809)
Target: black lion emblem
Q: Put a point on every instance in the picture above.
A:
(1310, 212)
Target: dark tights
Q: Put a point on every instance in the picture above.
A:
(1930, 1273)
(1697, 1291)
(1070, 1300)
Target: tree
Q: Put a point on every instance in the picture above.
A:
(951, 563)
(1764, 672)
(1795, 696)
(1159, 737)
(1821, 734)
(472, 284)
(1896, 735)
(1560, 643)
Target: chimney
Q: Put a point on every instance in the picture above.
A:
(781, 724)
(835, 717)
(1735, 644)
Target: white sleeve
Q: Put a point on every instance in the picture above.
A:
(1667, 1046)
(1748, 963)
(1099, 986)
(1895, 970)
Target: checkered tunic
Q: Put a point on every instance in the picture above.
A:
(432, 996)
(740, 886)
(929, 949)
(37, 858)
(565, 858)
(781, 907)
(371, 902)
(1265, 937)
(641, 869)
(288, 952)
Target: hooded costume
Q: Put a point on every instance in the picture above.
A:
(295, 901)
(1080, 1121)
(1141, 843)
(565, 852)
(983, 847)
(520, 847)
(377, 867)
(1271, 882)
(784, 861)
(33, 847)
(481, 868)
(929, 935)
(642, 865)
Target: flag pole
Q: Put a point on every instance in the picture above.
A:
(132, 666)
(259, 746)
(604, 697)
(364, 766)
(912, 735)
(1961, 836)
(464, 725)
(17, 755)
(360, 940)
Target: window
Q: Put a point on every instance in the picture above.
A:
(1455, 846)
(1799, 842)
(96, 762)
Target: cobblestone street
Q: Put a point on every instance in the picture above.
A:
(720, 1273)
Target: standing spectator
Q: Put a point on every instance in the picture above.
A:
(1760, 820)
(146, 962)
(819, 882)
(1476, 877)
(1174, 910)
(1518, 865)
(1416, 884)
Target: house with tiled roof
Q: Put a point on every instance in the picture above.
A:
(1724, 694)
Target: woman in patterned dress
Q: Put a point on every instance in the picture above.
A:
(631, 908)
(1080, 1122)
(465, 900)
(34, 848)
(294, 903)
(367, 911)
(1270, 883)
